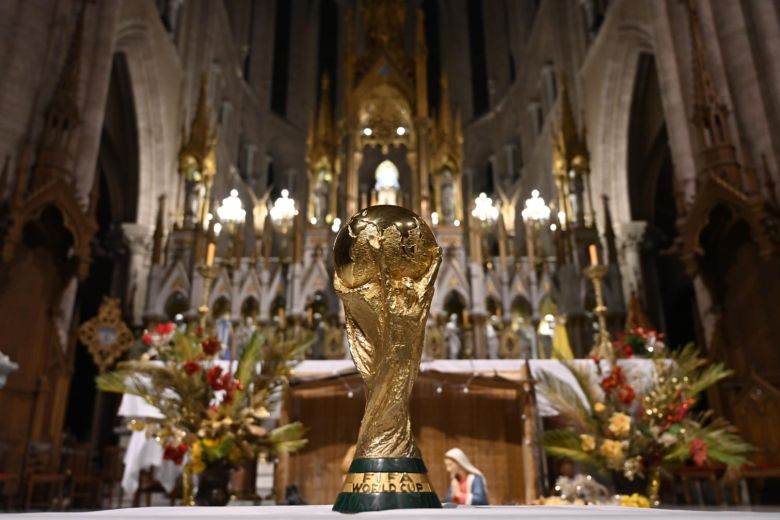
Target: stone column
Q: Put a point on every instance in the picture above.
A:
(139, 240)
(249, 165)
(511, 173)
(533, 111)
(477, 311)
(631, 235)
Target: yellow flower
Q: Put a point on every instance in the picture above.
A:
(599, 407)
(197, 458)
(635, 500)
(620, 424)
(612, 450)
(587, 442)
(198, 465)
(211, 443)
(552, 501)
(235, 454)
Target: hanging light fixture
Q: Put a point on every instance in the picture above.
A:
(535, 210)
(231, 212)
(484, 210)
(283, 212)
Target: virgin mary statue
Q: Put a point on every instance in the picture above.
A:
(467, 484)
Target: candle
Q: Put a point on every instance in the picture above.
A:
(594, 254)
(211, 250)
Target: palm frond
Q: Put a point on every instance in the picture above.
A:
(245, 370)
(564, 443)
(723, 443)
(583, 377)
(709, 376)
(288, 438)
(564, 399)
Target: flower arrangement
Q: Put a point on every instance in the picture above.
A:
(210, 412)
(636, 429)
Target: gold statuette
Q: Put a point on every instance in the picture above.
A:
(386, 261)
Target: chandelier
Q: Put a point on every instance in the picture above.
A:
(535, 210)
(231, 212)
(283, 211)
(484, 210)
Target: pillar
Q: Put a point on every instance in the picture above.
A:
(139, 240)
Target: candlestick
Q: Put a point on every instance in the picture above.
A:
(594, 255)
(209, 273)
(602, 345)
(211, 251)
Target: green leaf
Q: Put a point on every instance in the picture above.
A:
(183, 348)
(287, 438)
(566, 443)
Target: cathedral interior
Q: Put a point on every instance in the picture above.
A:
(142, 140)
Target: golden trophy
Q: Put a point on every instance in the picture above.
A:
(386, 261)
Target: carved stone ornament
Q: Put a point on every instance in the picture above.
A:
(58, 194)
(106, 335)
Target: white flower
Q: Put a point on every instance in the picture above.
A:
(667, 439)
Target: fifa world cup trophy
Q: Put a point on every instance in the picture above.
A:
(386, 261)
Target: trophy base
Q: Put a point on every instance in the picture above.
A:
(391, 483)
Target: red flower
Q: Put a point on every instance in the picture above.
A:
(627, 394)
(147, 339)
(596, 358)
(175, 453)
(164, 329)
(698, 451)
(615, 379)
(191, 367)
(677, 412)
(214, 379)
(210, 345)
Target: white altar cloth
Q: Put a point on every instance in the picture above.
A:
(639, 371)
(482, 513)
(142, 453)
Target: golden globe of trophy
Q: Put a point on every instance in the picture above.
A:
(386, 261)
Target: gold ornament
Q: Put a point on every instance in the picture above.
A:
(106, 335)
(386, 261)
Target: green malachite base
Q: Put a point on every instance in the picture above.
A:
(350, 502)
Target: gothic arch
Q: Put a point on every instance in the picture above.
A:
(610, 155)
(134, 40)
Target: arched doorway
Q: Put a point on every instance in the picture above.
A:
(668, 291)
(117, 203)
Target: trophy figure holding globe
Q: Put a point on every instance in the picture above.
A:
(386, 261)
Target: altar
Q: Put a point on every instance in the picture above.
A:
(327, 397)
